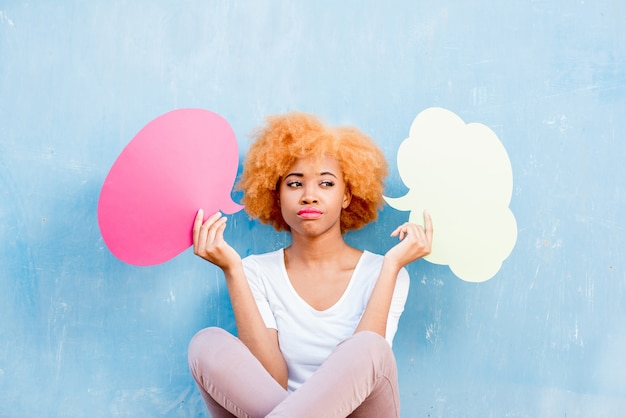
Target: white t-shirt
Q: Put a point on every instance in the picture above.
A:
(308, 336)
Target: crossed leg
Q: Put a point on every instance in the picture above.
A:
(359, 379)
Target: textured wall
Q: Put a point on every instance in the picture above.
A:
(84, 334)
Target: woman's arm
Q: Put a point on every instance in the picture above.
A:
(209, 243)
(415, 242)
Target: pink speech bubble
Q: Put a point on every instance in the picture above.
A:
(180, 162)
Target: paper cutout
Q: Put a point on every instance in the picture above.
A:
(180, 162)
(462, 175)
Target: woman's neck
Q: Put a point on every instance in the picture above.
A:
(319, 250)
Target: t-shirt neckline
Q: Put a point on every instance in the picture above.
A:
(304, 302)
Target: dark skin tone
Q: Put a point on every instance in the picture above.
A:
(319, 262)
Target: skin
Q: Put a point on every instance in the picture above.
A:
(319, 262)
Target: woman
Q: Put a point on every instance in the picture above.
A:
(315, 320)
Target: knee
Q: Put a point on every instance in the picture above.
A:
(375, 347)
(371, 340)
(204, 345)
(205, 338)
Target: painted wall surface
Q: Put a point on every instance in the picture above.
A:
(85, 334)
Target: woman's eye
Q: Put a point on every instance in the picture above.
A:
(294, 184)
(327, 183)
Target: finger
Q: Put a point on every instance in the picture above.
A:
(197, 224)
(213, 218)
(428, 225)
(412, 230)
(399, 231)
(216, 230)
(409, 229)
(201, 240)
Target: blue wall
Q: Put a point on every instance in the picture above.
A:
(83, 334)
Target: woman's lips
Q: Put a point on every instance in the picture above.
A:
(309, 213)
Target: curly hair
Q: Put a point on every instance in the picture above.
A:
(288, 137)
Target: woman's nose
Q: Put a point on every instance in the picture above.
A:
(308, 196)
(308, 199)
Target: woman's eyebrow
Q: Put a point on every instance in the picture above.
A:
(294, 174)
(298, 174)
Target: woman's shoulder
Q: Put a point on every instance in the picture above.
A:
(371, 258)
(373, 262)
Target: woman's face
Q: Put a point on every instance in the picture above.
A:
(312, 195)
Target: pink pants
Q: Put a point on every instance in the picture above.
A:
(359, 379)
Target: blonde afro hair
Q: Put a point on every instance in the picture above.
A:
(286, 138)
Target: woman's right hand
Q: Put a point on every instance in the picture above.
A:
(415, 242)
(209, 243)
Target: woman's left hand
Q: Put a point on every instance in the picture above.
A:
(415, 242)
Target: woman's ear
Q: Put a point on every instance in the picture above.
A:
(347, 198)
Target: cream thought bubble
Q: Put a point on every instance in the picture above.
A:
(462, 175)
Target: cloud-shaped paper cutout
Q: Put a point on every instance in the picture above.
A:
(182, 161)
(461, 173)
